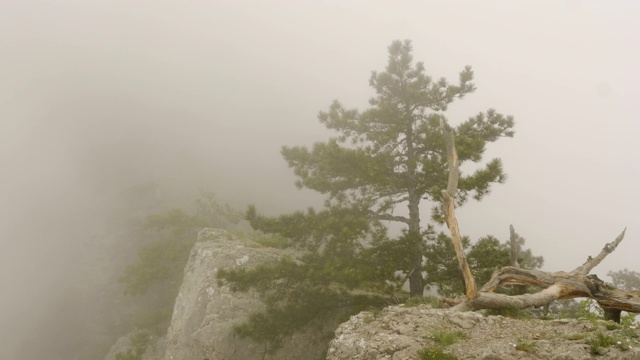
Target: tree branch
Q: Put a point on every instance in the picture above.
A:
(594, 261)
(390, 217)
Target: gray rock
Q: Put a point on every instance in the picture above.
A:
(461, 322)
(401, 332)
(154, 351)
(121, 345)
(205, 314)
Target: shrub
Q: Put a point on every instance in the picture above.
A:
(598, 342)
(525, 346)
(435, 353)
(446, 338)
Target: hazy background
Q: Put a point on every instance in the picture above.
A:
(97, 96)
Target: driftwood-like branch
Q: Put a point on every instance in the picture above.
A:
(448, 197)
(594, 261)
(555, 286)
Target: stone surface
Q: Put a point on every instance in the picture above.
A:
(154, 351)
(121, 345)
(204, 313)
(399, 333)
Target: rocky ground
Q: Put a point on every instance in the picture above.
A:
(402, 333)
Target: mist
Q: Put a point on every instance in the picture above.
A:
(99, 96)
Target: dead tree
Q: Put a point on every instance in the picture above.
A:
(553, 286)
(448, 197)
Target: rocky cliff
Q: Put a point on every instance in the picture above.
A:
(404, 333)
(204, 313)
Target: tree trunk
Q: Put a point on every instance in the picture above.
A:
(448, 203)
(416, 281)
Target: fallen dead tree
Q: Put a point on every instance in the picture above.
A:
(553, 286)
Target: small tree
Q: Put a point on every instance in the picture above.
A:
(485, 256)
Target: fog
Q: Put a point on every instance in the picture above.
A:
(98, 96)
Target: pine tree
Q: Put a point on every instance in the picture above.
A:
(393, 153)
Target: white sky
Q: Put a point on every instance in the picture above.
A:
(204, 94)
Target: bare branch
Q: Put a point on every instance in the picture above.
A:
(390, 217)
(558, 285)
(594, 261)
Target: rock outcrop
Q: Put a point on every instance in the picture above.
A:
(204, 313)
(127, 345)
(400, 333)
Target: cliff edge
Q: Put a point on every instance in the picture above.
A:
(417, 333)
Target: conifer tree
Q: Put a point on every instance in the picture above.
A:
(393, 153)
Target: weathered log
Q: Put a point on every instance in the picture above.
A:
(556, 286)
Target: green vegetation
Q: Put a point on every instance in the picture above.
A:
(526, 346)
(442, 339)
(626, 279)
(388, 156)
(598, 342)
(393, 152)
(576, 336)
(587, 309)
(484, 257)
(154, 279)
(620, 336)
(435, 353)
(446, 338)
(311, 290)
